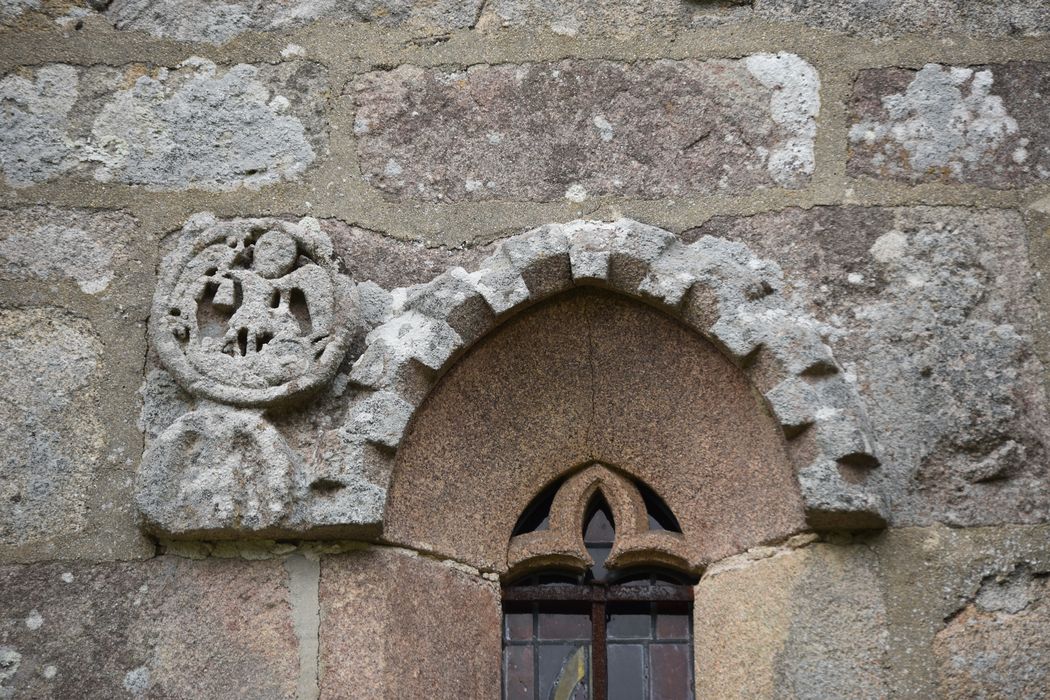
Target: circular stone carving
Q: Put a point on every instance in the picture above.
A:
(252, 312)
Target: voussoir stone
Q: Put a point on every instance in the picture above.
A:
(588, 128)
(196, 125)
(982, 125)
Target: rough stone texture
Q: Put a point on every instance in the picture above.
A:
(396, 625)
(868, 18)
(194, 126)
(168, 628)
(717, 288)
(806, 623)
(390, 263)
(252, 312)
(580, 378)
(982, 125)
(202, 20)
(49, 425)
(609, 18)
(41, 14)
(53, 245)
(883, 18)
(71, 280)
(997, 646)
(948, 594)
(579, 129)
(929, 309)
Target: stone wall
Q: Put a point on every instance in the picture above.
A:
(890, 158)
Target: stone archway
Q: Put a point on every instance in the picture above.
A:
(717, 291)
(591, 376)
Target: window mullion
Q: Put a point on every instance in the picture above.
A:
(599, 651)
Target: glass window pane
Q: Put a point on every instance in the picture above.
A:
(599, 529)
(629, 622)
(559, 626)
(672, 672)
(672, 626)
(517, 626)
(518, 673)
(565, 669)
(599, 555)
(627, 673)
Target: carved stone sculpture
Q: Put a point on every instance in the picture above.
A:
(252, 312)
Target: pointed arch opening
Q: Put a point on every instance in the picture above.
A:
(609, 629)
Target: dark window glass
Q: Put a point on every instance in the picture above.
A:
(602, 635)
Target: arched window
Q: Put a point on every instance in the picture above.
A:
(603, 612)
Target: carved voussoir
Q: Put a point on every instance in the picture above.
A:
(381, 418)
(833, 503)
(633, 249)
(542, 259)
(453, 297)
(794, 403)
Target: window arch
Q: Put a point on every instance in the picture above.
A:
(599, 602)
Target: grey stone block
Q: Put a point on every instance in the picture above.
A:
(982, 126)
(596, 128)
(166, 129)
(928, 311)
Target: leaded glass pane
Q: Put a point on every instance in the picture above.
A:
(564, 672)
(628, 675)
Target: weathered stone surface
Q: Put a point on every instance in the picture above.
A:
(928, 309)
(579, 129)
(949, 593)
(396, 625)
(49, 425)
(882, 18)
(590, 377)
(718, 288)
(609, 18)
(201, 20)
(982, 125)
(194, 126)
(252, 312)
(51, 244)
(328, 477)
(166, 628)
(217, 470)
(997, 645)
(806, 623)
(389, 262)
(866, 18)
(42, 14)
